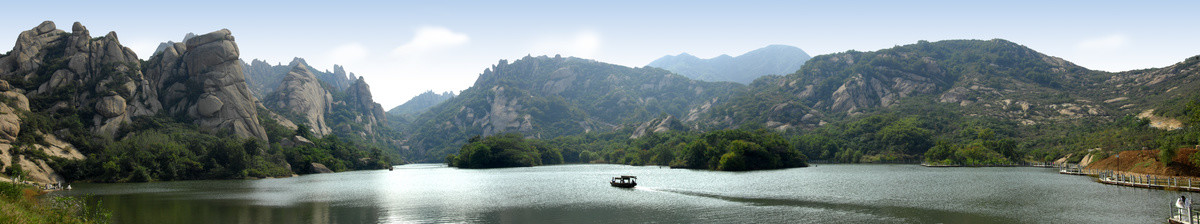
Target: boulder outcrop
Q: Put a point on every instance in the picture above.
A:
(371, 115)
(82, 72)
(202, 79)
(300, 94)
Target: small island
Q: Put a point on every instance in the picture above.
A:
(726, 150)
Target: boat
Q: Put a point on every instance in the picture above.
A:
(624, 181)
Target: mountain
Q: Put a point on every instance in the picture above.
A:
(773, 59)
(995, 100)
(400, 117)
(421, 103)
(263, 78)
(972, 102)
(545, 97)
(301, 96)
(988, 77)
(86, 108)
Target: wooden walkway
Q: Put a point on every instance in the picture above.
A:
(1182, 215)
(1149, 181)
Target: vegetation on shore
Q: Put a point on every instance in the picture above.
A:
(728, 150)
(163, 149)
(20, 204)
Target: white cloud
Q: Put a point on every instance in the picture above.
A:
(1105, 43)
(348, 54)
(429, 39)
(583, 44)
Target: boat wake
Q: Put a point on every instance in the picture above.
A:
(908, 214)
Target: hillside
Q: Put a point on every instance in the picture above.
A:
(263, 78)
(546, 97)
(957, 101)
(420, 103)
(82, 108)
(995, 98)
(769, 60)
(401, 116)
(1148, 162)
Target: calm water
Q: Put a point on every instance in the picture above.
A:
(428, 193)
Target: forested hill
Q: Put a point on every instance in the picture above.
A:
(769, 60)
(545, 97)
(420, 103)
(996, 78)
(995, 100)
(958, 101)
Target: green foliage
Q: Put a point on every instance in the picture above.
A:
(732, 150)
(16, 206)
(160, 149)
(337, 154)
(504, 150)
(1166, 155)
(560, 97)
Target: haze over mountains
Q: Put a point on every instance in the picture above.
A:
(769, 60)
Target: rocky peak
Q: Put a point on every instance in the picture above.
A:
(82, 72)
(300, 94)
(358, 96)
(203, 79)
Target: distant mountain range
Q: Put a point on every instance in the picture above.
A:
(420, 103)
(887, 105)
(769, 60)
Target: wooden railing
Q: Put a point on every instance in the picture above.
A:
(1149, 181)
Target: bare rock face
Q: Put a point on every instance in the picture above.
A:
(84, 72)
(10, 122)
(658, 125)
(111, 106)
(302, 95)
(320, 168)
(202, 79)
(371, 113)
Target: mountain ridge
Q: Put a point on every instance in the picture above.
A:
(772, 59)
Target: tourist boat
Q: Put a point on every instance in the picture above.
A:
(624, 181)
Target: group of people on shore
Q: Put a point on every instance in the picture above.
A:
(47, 186)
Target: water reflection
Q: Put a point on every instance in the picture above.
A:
(433, 193)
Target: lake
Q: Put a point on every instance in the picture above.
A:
(434, 193)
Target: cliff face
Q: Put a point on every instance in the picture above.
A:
(203, 80)
(71, 72)
(300, 94)
(369, 114)
(264, 78)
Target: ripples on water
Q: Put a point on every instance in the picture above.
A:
(434, 193)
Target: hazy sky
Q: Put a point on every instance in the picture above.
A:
(405, 48)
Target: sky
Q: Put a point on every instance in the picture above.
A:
(404, 48)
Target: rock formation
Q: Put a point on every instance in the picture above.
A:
(202, 79)
(300, 94)
(658, 125)
(371, 115)
(83, 74)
